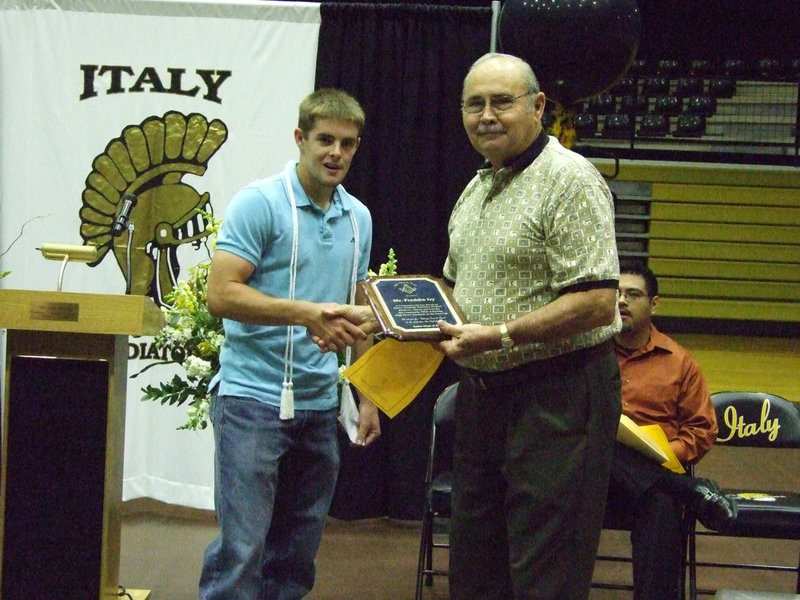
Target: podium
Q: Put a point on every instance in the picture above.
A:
(63, 426)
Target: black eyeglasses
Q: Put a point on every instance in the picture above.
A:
(499, 103)
(632, 293)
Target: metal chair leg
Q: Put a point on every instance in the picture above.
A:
(425, 552)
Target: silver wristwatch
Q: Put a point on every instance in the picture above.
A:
(506, 341)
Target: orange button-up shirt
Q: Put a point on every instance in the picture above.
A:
(662, 383)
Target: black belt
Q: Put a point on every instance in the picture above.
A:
(537, 368)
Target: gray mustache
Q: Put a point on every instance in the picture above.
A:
(483, 129)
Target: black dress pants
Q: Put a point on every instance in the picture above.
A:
(530, 474)
(649, 499)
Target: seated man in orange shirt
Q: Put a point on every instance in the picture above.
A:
(662, 384)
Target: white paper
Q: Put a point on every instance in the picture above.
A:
(348, 413)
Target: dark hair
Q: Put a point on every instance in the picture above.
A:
(650, 280)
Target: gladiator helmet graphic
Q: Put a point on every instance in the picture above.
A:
(149, 160)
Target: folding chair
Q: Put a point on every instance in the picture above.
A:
(437, 488)
(755, 420)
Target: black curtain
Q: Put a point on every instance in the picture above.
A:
(405, 64)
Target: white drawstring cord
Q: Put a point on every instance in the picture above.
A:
(353, 278)
(287, 393)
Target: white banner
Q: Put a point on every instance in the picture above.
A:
(178, 103)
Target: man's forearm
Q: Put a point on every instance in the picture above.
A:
(567, 315)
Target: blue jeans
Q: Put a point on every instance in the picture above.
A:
(274, 482)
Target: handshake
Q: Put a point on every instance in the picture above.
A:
(410, 308)
(338, 326)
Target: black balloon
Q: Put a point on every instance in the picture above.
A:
(577, 48)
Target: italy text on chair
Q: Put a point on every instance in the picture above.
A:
(436, 516)
(756, 421)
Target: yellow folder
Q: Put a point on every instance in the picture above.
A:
(650, 440)
(393, 373)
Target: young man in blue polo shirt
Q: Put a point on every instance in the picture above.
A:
(290, 246)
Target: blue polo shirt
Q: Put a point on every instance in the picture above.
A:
(258, 228)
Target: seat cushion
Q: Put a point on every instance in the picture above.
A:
(767, 514)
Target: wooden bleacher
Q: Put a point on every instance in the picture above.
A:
(724, 241)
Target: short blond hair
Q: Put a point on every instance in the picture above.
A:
(330, 103)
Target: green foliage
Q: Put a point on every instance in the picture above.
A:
(170, 392)
(194, 338)
(387, 268)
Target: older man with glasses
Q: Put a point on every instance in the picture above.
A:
(533, 261)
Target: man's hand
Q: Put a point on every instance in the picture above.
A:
(369, 424)
(331, 331)
(467, 340)
(357, 317)
(357, 314)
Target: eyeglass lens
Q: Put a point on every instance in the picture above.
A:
(632, 293)
(499, 103)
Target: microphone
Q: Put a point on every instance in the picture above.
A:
(121, 222)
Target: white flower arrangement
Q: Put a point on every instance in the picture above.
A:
(194, 338)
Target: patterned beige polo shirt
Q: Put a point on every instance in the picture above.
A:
(517, 239)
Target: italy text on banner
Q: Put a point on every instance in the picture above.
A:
(178, 103)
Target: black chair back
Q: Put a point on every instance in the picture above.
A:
(443, 432)
(756, 419)
(766, 421)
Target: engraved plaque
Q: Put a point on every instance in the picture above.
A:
(54, 311)
(408, 307)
